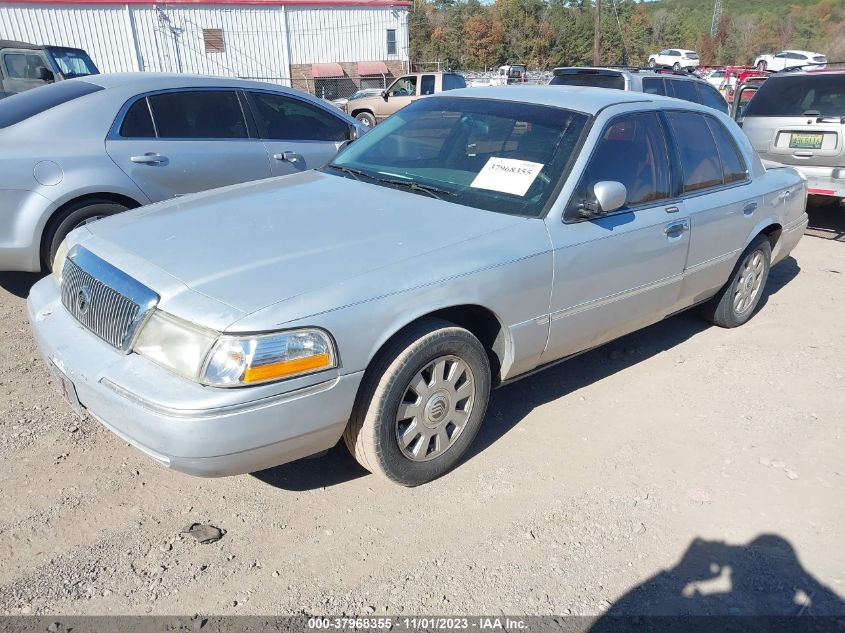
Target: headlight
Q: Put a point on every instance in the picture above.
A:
(247, 360)
(219, 360)
(176, 344)
(59, 262)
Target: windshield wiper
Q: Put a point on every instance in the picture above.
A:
(355, 173)
(434, 192)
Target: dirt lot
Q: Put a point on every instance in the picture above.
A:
(683, 468)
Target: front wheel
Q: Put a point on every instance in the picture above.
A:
(421, 404)
(73, 217)
(676, 66)
(652, 63)
(366, 118)
(738, 299)
(761, 65)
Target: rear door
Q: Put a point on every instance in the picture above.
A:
(798, 119)
(297, 135)
(182, 141)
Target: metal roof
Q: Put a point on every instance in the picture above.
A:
(327, 3)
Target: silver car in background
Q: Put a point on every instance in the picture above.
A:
(82, 149)
(473, 237)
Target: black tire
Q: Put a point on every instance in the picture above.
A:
(372, 435)
(71, 217)
(761, 65)
(676, 66)
(366, 118)
(652, 63)
(722, 310)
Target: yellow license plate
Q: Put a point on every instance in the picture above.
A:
(806, 141)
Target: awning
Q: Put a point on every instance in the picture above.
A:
(319, 71)
(372, 68)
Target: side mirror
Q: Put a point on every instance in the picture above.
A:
(608, 196)
(353, 134)
(384, 94)
(45, 74)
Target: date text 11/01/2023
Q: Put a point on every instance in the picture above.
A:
(483, 623)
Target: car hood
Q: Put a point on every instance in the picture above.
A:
(256, 244)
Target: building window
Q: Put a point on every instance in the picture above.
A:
(391, 41)
(213, 40)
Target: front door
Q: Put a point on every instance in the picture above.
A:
(296, 134)
(180, 142)
(400, 93)
(621, 271)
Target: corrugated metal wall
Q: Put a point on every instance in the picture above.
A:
(261, 42)
(104, 32)
(345, 34)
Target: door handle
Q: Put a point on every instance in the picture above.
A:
(672, 209)
(291, 157)
(749, 208)
(676, 229)
(150, 158)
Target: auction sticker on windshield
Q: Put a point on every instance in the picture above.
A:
(507, 175)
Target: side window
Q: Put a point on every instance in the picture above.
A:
(427, 85)
(699, 156)
(138, 123)
(632, 150)
(682, 89)
(654, 86)
(711, 97)
(209, 114)
(285, 118)
(23, 65)
(782, 55)
(404, 87)
(733, 165)
(675, 53)
(452, 82)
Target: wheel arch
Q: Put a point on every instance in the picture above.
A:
(358, 111)
(481, 321)
(53, 218)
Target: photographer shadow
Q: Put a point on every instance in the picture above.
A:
(762, 578)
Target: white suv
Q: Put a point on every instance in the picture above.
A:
(676, 58)
(789, 59)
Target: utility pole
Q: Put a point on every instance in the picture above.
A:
(597, 34)
(717, 13)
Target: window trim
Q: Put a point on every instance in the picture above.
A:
(253, 108)
(663, 202)
(737, 149)
(114, 131)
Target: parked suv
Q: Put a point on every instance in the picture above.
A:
(405, 90)
(798, 119)
(676, 58)
(788, 59)
(680, 85)
(24, 66)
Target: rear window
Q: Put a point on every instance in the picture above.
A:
(593, 79)
(27, 104)
(453, 82)
(798, 94)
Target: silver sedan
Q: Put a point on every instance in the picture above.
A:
(82, 149)
(472, 238)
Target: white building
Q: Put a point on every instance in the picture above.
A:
(317, 45)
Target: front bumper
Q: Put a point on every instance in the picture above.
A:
(198, 430)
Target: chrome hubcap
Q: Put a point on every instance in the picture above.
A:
(749, 282)
(435, 408)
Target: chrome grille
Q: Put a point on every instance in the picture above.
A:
(105, 300)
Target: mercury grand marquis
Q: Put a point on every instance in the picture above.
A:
(472, 238)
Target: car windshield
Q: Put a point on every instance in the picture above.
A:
(596, 79)
(500, 156)
(796, 95)
(73, 63)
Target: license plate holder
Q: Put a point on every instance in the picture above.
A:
(805, 141)
(66, 388)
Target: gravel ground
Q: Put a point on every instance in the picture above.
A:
(684, 468)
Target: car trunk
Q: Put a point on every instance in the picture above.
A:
(804, 140)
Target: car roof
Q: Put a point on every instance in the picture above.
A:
(632, 71)
(145, 82)
(795, 50)
(23, 45)
(579, 98)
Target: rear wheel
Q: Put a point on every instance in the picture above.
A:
(366, 118)
(421, 405)
(738, 299)
(652, 62)
(72, 217)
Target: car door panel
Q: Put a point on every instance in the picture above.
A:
(617, 273)
(180, 159)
